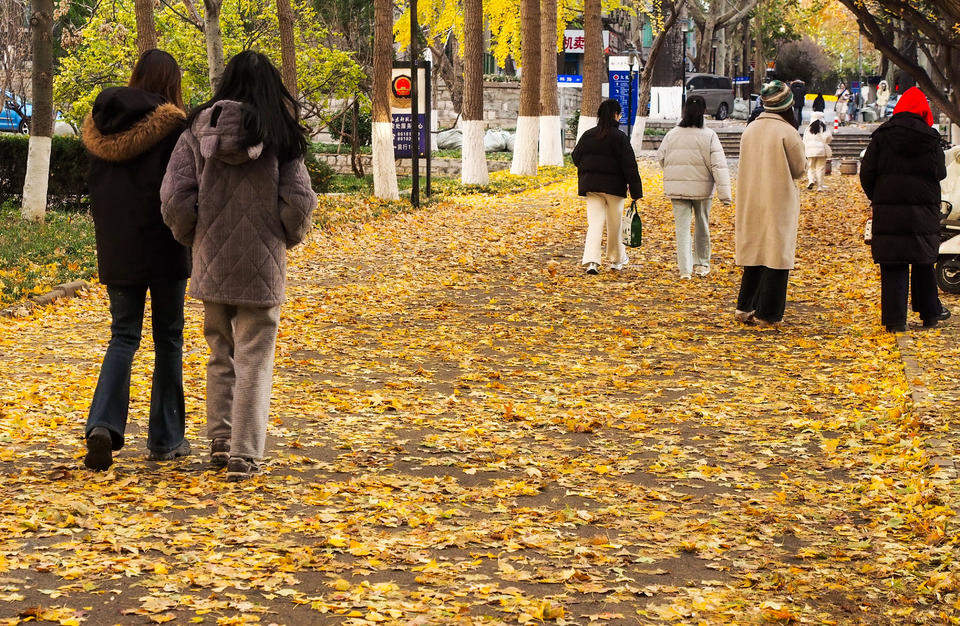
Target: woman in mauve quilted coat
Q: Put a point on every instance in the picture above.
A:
(238, 192)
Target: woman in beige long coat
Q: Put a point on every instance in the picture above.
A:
(768, 207)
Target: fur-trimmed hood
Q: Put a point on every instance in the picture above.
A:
(126, 122)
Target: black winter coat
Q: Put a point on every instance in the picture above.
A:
(901, 174)
(130, 135)
(607, 164)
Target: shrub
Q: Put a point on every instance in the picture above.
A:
(67, 190)
(321, 172)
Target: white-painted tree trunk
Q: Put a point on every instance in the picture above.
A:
(586, 123)
(551, 144)
(38, 176)
(383, 163)
(636, 138)
(473, 166)
(525, 146)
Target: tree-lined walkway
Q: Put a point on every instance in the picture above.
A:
(468, 429)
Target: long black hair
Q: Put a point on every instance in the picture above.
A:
(272, 115)
(158, 72)
(817, 127)
(693, 111)
(607, 116)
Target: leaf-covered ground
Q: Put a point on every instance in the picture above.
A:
(466, 429)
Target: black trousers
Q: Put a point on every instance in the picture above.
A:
(764, 291)
(895, 278)
(111, 399)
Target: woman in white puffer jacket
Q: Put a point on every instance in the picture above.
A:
(816, 145)
(693, 165)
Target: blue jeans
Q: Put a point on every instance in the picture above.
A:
(690, 254)
(111, 400)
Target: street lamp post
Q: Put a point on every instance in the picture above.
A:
(684, 26)
(632, 61)
(414, 108)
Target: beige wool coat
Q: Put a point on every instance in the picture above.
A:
(768, 201)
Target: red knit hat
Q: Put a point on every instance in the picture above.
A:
(913, 101)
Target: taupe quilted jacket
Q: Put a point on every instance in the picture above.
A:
(237, 208)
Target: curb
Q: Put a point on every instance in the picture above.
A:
(942, 453)
(66, 290)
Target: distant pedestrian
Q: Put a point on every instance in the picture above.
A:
(901, 174)
(799, 90)
(130, 135)
(768, 207)
(606, 171)
(843, 103)
(757, 111)
(819, 104)
(816, 141)
(883, 98)
(693, 166)
(238, 191)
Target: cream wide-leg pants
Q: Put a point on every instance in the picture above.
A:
(604, 209)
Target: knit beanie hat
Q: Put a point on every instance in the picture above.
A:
(914, 101)
(776, 97)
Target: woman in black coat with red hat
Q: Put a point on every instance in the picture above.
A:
(901, 174)
(130, 135)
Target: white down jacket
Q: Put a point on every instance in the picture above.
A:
(817, 145)
(693, 164)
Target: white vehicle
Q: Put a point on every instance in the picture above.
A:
(948, 262)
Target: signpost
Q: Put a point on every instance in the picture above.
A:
(624, 87)
(405, 132)
(569, 80)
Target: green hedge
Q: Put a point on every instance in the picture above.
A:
(68, 171)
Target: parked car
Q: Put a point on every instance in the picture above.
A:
(11, 119)
(716, 90)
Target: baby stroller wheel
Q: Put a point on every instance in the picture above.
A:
(948, 273)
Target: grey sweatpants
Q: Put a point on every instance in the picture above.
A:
(242, 342)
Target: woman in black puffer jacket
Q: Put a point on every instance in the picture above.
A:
(901, 174)
(607, 170)
(130, 135)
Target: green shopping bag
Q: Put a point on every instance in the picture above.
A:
(632, 227)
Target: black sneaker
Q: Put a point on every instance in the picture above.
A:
(99, 450)
(896, 328)
(239, 468)
(219, 452)
(182, 450)
(944, 315)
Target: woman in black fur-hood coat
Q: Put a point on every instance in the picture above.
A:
(130, 135)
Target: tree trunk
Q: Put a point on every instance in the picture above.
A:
(41, 124)
(551, 145)
(646, 76)
(592, 67)
(146, 27)
(214, 40)
(288, 51)
(384, 165)
(473, 163)
(355, 163)
(706, 45)
(528, 122)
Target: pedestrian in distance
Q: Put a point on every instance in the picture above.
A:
(799, 90)
(694, 165)
(883, 99)
(238, 192)
(129, 136)
(816, 142)
(819, 105)
(843, 103)
(901, 174)
(606, 172)
(768, 207)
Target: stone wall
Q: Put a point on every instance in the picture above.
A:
(501, 104)
(442, 167)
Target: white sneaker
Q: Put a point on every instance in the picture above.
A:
(619, 266)
(685, 277)
(701, 270)
(593, 268)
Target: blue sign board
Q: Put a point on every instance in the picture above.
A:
(569, 79)
(403, 135)
(621, 90)
(741, 80)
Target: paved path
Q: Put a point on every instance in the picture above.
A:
(468, 430)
